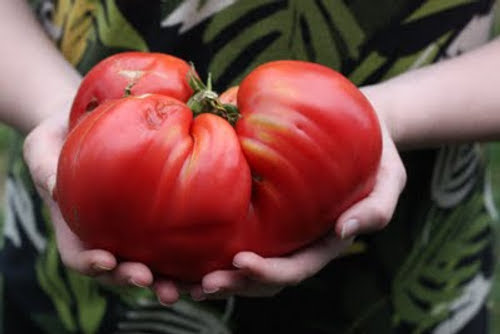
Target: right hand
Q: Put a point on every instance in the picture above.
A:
(41, 152)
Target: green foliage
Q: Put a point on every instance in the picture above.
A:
(47, 270)
(320, 31)
(437, 259)
(494, 299)
(76, 298)
(5, 134)
(115, 31)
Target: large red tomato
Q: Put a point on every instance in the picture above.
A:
(143, 178)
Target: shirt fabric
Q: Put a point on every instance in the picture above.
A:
(429, 271)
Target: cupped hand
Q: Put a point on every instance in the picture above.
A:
(41, 152)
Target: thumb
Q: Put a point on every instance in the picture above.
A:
(375, 211)
(41, 152)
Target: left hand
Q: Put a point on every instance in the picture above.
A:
(255, 276)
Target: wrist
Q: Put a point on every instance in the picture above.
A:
(383, 107)
(61, 103)
(55, 103)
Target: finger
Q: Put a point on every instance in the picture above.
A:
(228, 280)
(295, 268)
(182, 287)
(226, 283)
(74, 255)
(131, 273)
(166, 292)
(41, 152)
(375, 211)
(90, 262)
(197, 293)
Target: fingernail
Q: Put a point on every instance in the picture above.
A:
(349, 228)
(101, 267)
(131, 281)
(237, 262)
(210, 290)
(164, 303)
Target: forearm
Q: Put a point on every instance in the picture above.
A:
(36, 80)
(457, 100)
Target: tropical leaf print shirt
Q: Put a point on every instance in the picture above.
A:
(429, 271)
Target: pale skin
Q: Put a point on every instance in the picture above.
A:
(453, 101)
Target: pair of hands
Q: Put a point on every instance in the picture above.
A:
(252, 275)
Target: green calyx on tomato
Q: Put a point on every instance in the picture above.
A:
(205, 100)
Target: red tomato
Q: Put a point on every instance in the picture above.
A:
(313, 144)
(131, 73)
(145, 180)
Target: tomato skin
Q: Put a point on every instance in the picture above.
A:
(313, 143)
(230, 96)
(141, 72)
(141, 178)
(166, 189)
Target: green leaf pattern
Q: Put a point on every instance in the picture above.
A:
(114, 31)
(299, 30)
(77, 299)
(84, 23)
(446, 240)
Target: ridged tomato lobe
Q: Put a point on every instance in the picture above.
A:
(131, 73)
(315, 142)
(143, 179)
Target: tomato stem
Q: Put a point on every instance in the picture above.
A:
(128, 90)
(205, 100)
